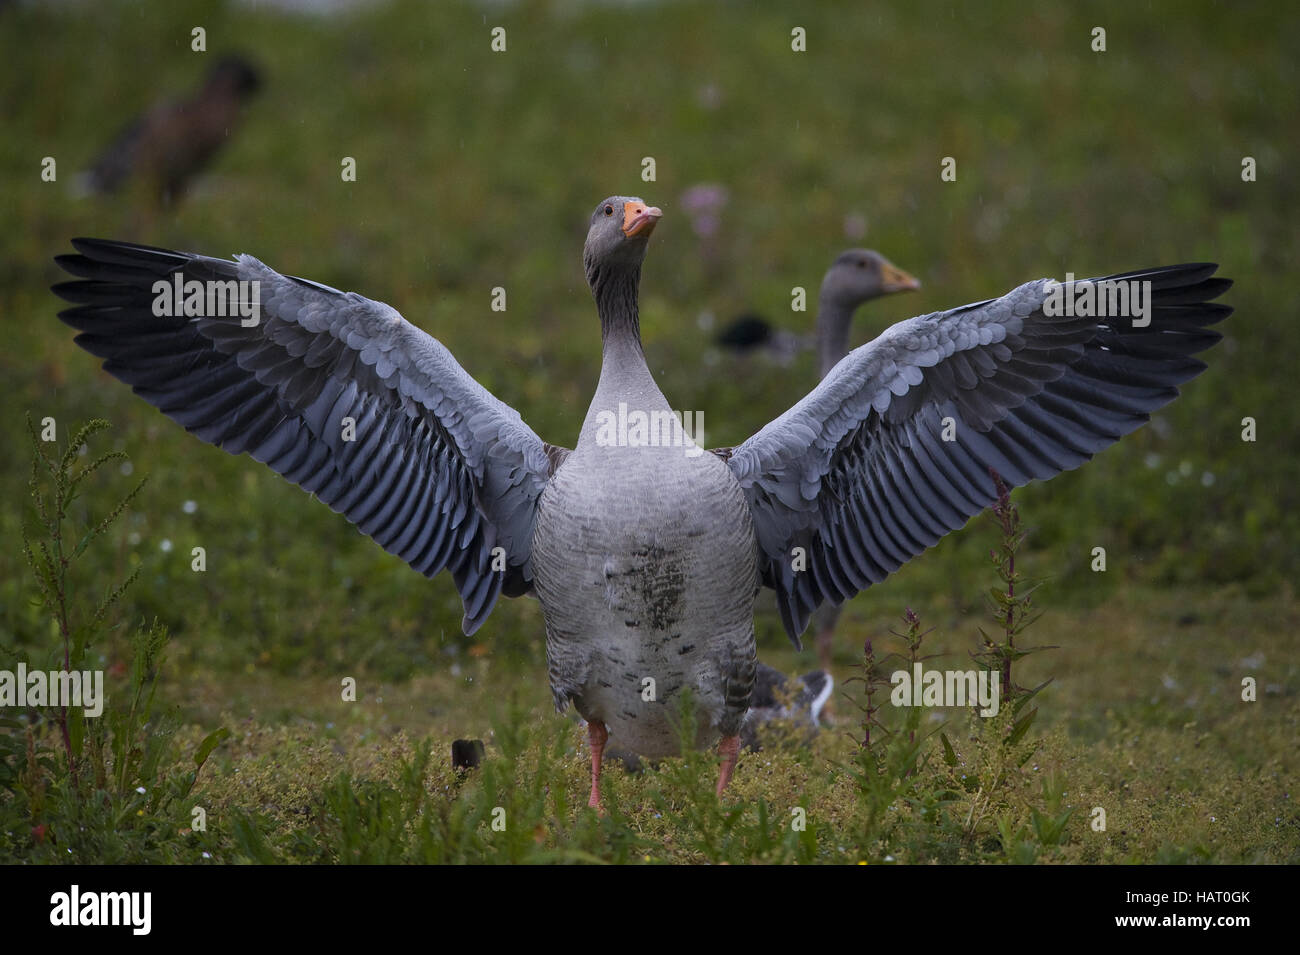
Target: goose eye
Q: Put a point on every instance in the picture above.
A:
(609, 210)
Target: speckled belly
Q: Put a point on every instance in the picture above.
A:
(649, 600)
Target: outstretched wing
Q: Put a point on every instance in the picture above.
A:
(337, 393)
(893, 449)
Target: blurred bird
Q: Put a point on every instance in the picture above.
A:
(750, 332)
(855, 277)
(175, 139)
(798, 700)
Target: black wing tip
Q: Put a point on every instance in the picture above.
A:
(88, 245)
(115, 252)
(69, 292)
(1172, 276)
(75, 264)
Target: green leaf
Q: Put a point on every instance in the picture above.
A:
(949, 754)
(210, 742)
(1020, 703)
(1021, 727)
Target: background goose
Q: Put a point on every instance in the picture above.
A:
(174, 140)
(750, 332)
(795, 700)
(645, 557)
(854, 278)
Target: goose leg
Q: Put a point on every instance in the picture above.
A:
(597, 736)
(728, 749)
(825, 646)
(825, 619)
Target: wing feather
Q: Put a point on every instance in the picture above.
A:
(893, 449)
(337, 393)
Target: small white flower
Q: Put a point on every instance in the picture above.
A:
(189, 507)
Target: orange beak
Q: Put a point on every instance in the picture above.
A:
(639, 219)
(896, 280)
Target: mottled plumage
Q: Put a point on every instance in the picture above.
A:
(646, 570)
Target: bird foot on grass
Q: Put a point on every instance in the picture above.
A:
(597, 736)
(728, 749)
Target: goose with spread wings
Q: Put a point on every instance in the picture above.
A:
(645, 552)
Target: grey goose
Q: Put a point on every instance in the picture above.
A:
(646, 558)
(856, 276)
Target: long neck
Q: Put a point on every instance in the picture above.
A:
(615, 292)
(834, 319)
(624, 375)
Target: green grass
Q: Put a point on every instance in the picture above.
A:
(478, 170)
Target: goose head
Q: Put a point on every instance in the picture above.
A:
(859, 275)
(618, 236)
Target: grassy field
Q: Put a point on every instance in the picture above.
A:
(478, 169)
